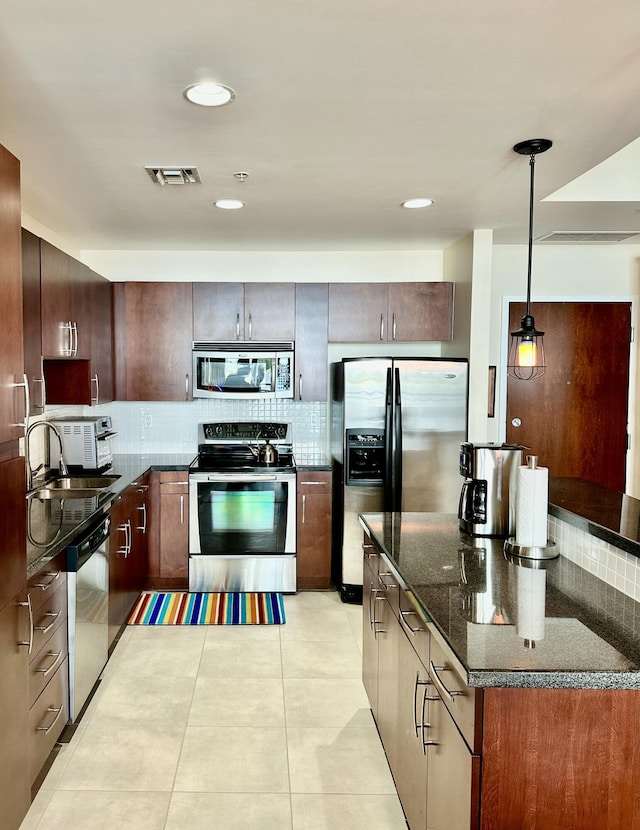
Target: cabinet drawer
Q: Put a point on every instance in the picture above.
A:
(458, 697)
(44, 664)
(47, 719)
(43, 584)
(314, 483)
(172, 487)
(174, 477)
(48, 617)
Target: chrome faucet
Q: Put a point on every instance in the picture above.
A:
(62, 467)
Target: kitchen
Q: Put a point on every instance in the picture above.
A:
(483, 269)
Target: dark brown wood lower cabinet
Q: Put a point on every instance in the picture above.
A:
(15, 782)
(313, 566)
(174, 526)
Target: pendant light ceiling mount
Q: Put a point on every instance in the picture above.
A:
(526, 351)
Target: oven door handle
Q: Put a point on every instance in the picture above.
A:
(243, 477)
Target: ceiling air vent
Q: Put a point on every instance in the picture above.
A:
(174, 175)
(588, 236)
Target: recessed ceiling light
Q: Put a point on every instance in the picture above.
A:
(229, 204)
(417, 203)
(209, 94)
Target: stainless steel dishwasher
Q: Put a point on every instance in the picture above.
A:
(88, 609)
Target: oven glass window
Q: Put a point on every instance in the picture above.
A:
(242, 517)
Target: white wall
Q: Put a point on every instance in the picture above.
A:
(267, 266)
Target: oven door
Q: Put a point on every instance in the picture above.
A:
(242, 531)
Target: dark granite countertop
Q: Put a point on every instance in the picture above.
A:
(484, 606)
(606, 514)
(52, 524)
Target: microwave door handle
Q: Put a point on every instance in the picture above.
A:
(397, 441)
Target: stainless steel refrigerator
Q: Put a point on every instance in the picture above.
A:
(396, 429)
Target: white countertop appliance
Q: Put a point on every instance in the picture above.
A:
(242, 509)
(86, 442)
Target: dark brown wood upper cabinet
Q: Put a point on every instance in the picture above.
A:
(12, 397)
(31, 320)
(312, 316)
(387, 312)
(243, 311)
(153, 334)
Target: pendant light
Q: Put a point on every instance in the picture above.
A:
(526, 351)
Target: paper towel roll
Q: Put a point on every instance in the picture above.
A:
(530, 603)
(532, 504)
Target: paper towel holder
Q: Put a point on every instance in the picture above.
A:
(538, 552)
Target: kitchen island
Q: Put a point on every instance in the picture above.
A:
(522, 684)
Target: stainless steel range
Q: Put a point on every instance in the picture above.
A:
(242, 508)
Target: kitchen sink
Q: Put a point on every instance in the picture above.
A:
(81, 483)
(74, 487)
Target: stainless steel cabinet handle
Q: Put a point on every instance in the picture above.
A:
(68, 351)
(27, 402)
(42, 393)
(29, 642)
(95, 380)
(238, 325)
(393, 326)
(444, 692)
(44, 628)
(186, 387)
(125, 550)
(45, 670)
(143, 488)
(74, 346)
(300, 387)
(181, 510)
(304, 505)
(55, 575)
(58, 711)
(382, 327)
(143, 526)
(250, 327)
(386, 585)
(403, 619)
(369, 551)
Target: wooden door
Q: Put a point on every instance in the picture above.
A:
(358, 312)
(312, 314)
(314, 531)
(420, 311)
(153, 341)
(574, 417)
(218, 311)
(12, 401)
(269, 310)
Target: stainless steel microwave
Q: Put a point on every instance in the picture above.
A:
(243, 370)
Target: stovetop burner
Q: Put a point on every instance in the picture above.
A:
(233, 447)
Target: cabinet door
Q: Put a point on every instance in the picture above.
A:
(218, 311)
(174, 528)
(15, 782)
(55, 286)
(32, 332)
(269, 311)
(101, 332)
(410, 773)
(154, 344)
(420, 311)
(370, 594)
(12, 398)
(140, 532)
(313, 566)
(358, 312)
(389, 634)
(122, 589)
(13, 521)
(311, 358)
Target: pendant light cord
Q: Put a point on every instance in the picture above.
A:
(532, 162)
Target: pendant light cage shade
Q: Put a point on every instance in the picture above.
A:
(526, 350)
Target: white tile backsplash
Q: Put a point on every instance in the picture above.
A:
(149, 427)
(614, 566)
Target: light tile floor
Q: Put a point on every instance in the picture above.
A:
(228, 727)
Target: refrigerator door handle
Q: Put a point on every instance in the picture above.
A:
(397, 441)
(388, 444)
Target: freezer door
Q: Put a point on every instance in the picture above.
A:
(433, 419)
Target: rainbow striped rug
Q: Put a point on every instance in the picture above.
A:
(182, 608)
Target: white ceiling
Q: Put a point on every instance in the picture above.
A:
(344, 108)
